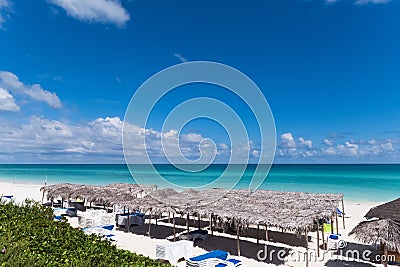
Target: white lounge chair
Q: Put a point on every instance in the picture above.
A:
(174, 251)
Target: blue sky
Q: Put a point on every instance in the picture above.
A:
(330, 71)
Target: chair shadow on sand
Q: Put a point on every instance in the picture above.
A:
(248, 249)
(156, 231)
(290, 239)
(343, 263)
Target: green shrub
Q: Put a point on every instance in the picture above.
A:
(30, 237)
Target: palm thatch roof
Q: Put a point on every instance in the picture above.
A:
(295, 211)
(105, 195)
(384, 231)
(390, 210)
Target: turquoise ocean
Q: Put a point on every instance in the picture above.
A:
(357, 182)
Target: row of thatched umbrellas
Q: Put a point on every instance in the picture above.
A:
(293, 211)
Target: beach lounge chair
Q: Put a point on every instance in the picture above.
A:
(334, 241)
(136, 218)
(174, 251)
(193, 235)
(209, 259)
(341, 214)
(104, 231)
(230, 263)
(6, 198)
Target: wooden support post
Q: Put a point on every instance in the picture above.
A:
(128, 223)
(266, 233)
(156, 219)
(187, 224)
(318, 237)
(169, 217)
(323, 234)
(211, 224)
(198, 221)
(385, 263)
(173, 219)
(332, 224)
(258, 234)
(344, 226)
(337, 224)
(238, 237)
(307, 260)
(150, 224)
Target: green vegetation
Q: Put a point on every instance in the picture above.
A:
(30, 237)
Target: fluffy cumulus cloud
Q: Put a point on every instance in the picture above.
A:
(305, 143)
(328, 142)
(10, 82)
(288, 141)
(292, 149)
(100, 140)
(7, 101)
(103, 11)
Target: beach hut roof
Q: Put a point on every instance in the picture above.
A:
(383, 231)
(390, 210)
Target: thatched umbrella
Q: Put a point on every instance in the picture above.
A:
(382, 231)
(389, 210)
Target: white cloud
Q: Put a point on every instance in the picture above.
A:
(52, 140)
(223, 146)
(7, 102)
(192, 137)
(5, 7)
(372, 142)
(288, 140)
(361, 2)
(11, 82)
(364, 2)
(48, 140)
(181, 58)
(103, 11)
(328, 142)
(305, 143)
(388, 147)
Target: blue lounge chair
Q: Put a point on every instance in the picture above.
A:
(230, 263)
(209, 259)
(108, 227)
(339, 212)
(8, 197)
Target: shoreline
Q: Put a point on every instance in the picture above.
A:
(7, 184)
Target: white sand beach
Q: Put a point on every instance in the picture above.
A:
(140, 243)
